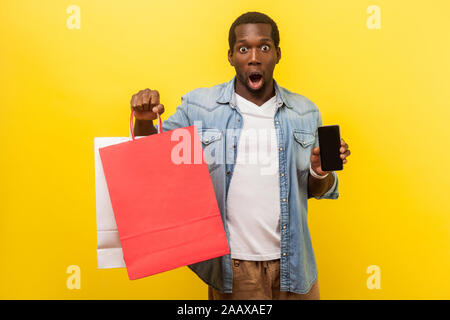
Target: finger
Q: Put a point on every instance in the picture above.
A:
(344, 148)
(345, 155)
(154, 98)
(136, 105)
(344, 161)
(146, 100)
(316, 150)
(158, 109)
(342, 142)
(132, 102)
(138, 101)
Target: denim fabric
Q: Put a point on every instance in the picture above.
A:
(219, 122)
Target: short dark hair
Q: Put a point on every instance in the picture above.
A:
(253, 17)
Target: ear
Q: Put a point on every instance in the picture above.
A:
(230, 57)
(278, 54)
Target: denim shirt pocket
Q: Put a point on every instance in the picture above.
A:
(212, 144)
(304, 141)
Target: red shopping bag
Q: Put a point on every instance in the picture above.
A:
(166, 211)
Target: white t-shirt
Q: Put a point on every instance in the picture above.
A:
(253, 202)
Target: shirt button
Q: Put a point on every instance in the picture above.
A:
(284, 227)
(284, 199)
(281, 149)
(282, 174)
(277, 122)
(228, 173)
(239, 120)
(284, 254)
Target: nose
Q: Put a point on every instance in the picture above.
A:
(254, 59)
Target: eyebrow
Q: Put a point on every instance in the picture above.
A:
(263, 39)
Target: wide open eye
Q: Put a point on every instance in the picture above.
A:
(265, 47)
(242, 51)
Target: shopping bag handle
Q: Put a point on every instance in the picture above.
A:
(160, 129)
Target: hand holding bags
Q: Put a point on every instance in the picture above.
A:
(163, 202)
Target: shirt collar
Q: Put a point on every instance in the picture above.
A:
(227, 94)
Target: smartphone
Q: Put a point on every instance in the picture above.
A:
(329, 144)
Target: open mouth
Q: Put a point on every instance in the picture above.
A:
(255, 80)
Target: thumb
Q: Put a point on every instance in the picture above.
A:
(316, 151)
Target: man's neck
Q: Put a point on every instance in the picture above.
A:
(260, 98)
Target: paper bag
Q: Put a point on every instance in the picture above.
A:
(163, 202)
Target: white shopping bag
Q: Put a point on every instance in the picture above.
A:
(109, 250)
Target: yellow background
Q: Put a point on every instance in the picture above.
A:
(388, 89)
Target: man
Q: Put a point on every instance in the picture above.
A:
(263, 204)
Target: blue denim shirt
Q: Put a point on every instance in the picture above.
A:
(219, 122)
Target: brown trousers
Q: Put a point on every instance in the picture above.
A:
(259, 280)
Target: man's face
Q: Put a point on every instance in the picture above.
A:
(254, 56)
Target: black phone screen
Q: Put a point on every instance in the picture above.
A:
(329, 144)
